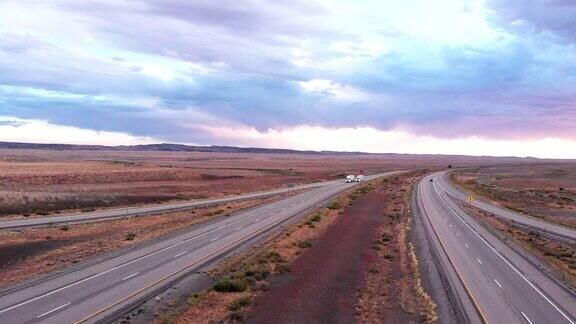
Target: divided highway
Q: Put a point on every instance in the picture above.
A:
(562, 231)
(98, 288)
(152, 209)
(492, 282)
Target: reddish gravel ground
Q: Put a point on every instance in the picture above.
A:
(323, 285)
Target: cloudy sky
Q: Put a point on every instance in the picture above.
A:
(493, 77)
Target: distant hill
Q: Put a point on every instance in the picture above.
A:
(163, 147)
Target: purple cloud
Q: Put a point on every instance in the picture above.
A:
(554, 16)
(158, 68)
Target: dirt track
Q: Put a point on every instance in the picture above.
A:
(326, 293)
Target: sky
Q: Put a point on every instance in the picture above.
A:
(473, 77)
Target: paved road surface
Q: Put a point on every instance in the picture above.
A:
(98, 289)
(152, 209)
(562, 231)
(493, 282)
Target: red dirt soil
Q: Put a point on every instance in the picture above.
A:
(326, 293)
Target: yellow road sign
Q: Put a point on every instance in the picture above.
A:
(470, 198)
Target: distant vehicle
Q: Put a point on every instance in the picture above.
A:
(431, 180)
(359, 178)
(350, 178)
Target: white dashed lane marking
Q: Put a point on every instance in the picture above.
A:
(52, 311)
(130, 276)
(181, 253)
(496, 281)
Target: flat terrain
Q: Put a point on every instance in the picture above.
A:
(101, 287)
(546, 191)
(44, 182)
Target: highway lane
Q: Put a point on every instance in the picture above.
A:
(152, 209)
(92, 292)
(562, 231)
(501, 286)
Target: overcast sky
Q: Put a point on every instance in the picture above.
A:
(493, 77)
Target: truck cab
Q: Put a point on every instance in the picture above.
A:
(350, 178)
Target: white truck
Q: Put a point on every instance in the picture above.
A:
(360, 178)
(350, 178)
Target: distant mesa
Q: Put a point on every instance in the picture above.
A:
(164, 147)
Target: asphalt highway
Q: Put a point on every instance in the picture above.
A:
(493, 283)
(562, 231)
(91, 292)
(151, 209)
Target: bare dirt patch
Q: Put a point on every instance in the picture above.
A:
(546, 191)
(393, 292)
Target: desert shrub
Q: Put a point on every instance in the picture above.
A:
(239, 302)
(227, 284)
(274, 256)
(283, 268)
(42, 213)
(64, 227)
(335, 205)
(303, 244)
(130, 236)
(360, 191)
(316, 218)
(236, 316)
(87, 210)
(195, 299)
(257, 272)
(386, 237)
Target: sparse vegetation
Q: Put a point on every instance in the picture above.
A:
(130, 236)
(239, 303)
(304, 244)
(227, 284)
(274, 258)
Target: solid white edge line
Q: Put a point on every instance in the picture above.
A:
(52, 311)
(526, 317)
(503, 259)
